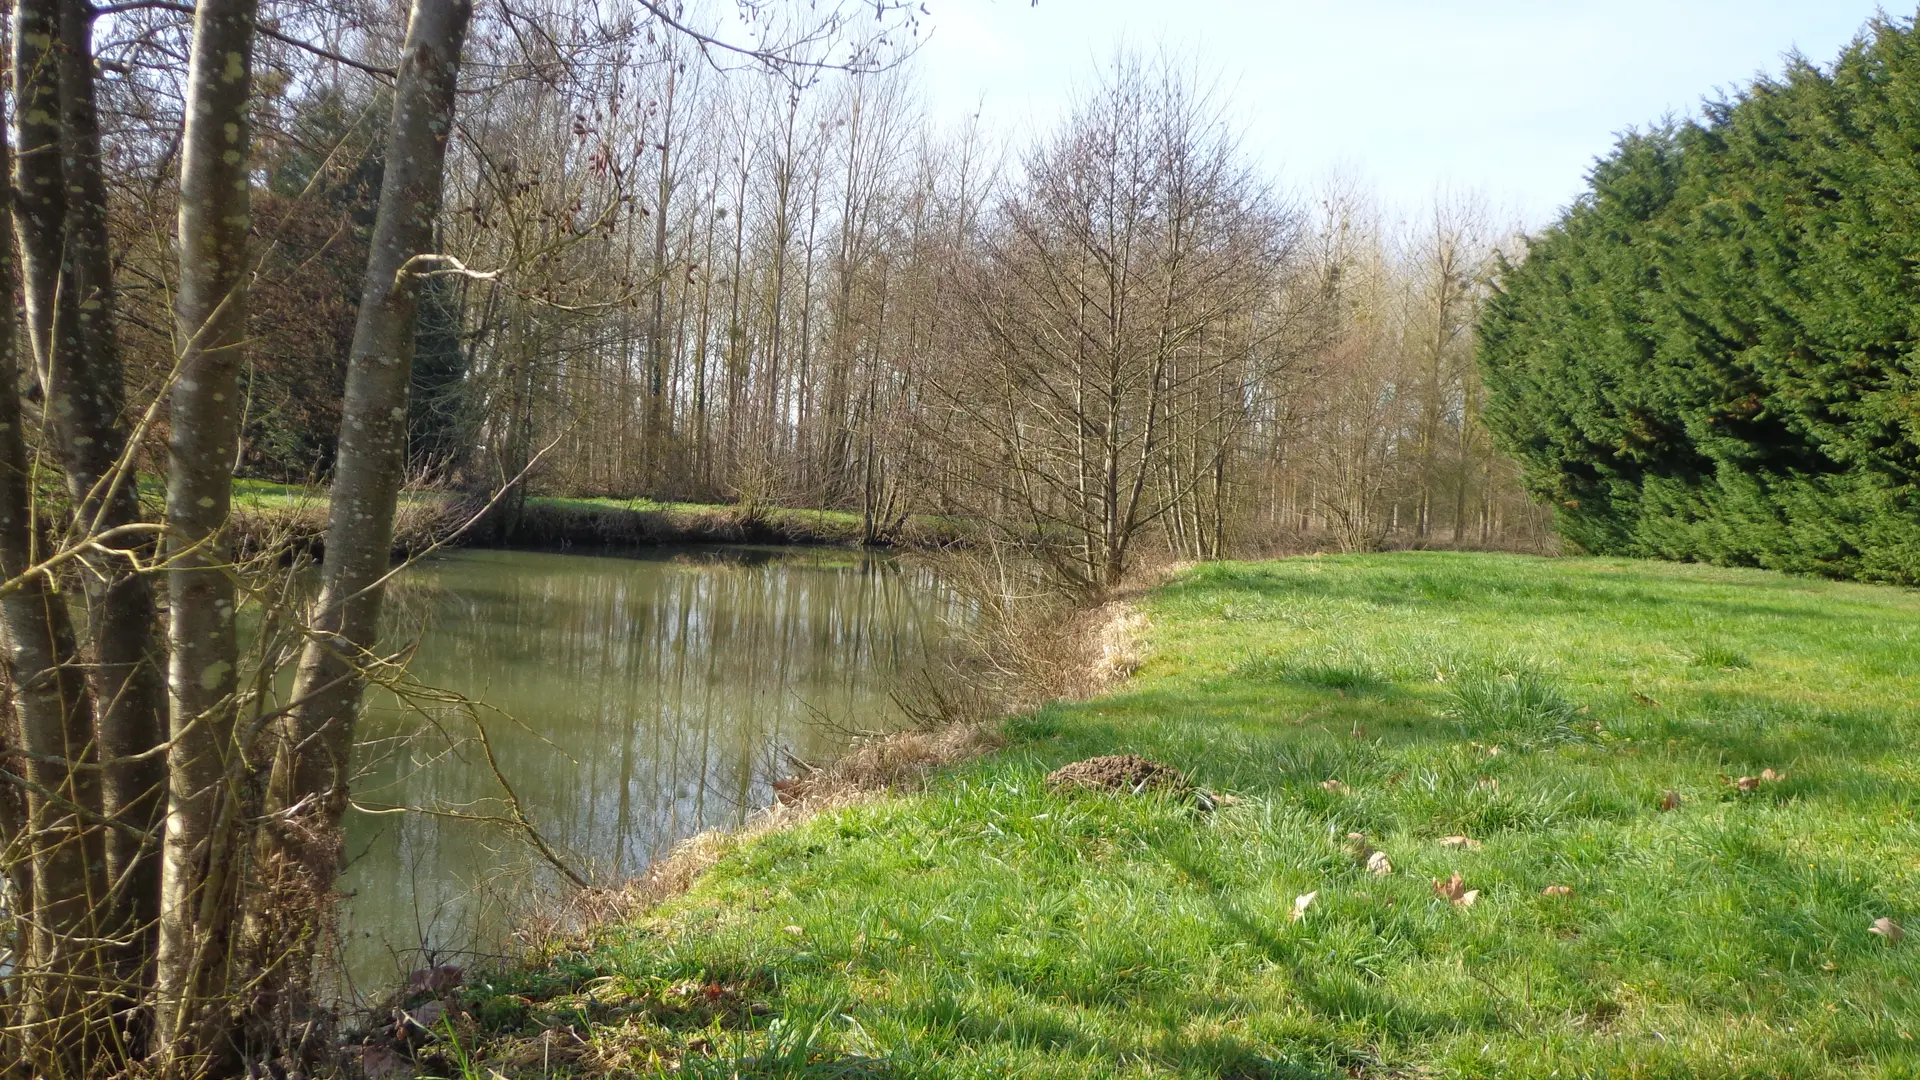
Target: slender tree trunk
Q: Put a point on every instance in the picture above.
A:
(658, 416)
(199, 886)
(310, 772)
(16, 859)
(1469, 421)
(70, 306)
(55, 714)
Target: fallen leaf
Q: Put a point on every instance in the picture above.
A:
(1642, 699)
(1334, 786)
(1749, 784)
(1300, 905)
(1670, 800)
(1467, 842)
(1455, 891)
(1378, 863)
(1225, 800)
(794, 930)
(1357, 845)
(1557, 890)
(1888, 929)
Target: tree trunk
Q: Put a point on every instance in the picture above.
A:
(198, 895)
(55, 713)
(658, 416)
(310, 771)
(70, 306)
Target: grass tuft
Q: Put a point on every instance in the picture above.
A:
(1520, 708)
(1338, 669)
(1720, 655)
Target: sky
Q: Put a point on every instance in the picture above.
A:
(1513, 99)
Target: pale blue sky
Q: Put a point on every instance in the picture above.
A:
(1511, 97)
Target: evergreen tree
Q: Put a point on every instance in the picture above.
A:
(439, 426)
(1712, 354)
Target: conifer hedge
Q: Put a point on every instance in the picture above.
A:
(1715, 353)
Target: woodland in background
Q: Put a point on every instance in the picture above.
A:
(1711, 355)
(790, 288)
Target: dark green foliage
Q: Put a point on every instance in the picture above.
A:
(438, 427)
(1712, 355)
(322, 183)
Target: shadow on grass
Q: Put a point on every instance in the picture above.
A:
(1338, 999)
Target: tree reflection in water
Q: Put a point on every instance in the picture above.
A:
(639, 700)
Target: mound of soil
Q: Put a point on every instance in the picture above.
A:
(1127, 773)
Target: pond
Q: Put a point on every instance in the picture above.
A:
(629, 702)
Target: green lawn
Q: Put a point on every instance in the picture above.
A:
(987, 927)
(269, 495)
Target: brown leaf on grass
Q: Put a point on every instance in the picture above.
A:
(1357, 845)
(1747, 785)
(1300, 905)
(1379, 864)
(1334, 786)
(794, 930)
(1467, 842)
(1557, 890)
(1455, 891)
(1888, 929)
(1670, 800)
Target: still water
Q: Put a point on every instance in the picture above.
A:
(629, 702)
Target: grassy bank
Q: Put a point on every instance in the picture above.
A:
(270, 514)
(1569, 737)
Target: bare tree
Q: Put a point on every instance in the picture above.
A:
(200, 882)
(54, 1026)
(308, 788)
(70, 303)
(1117, 305)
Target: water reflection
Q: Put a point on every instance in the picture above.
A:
(630, 702)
